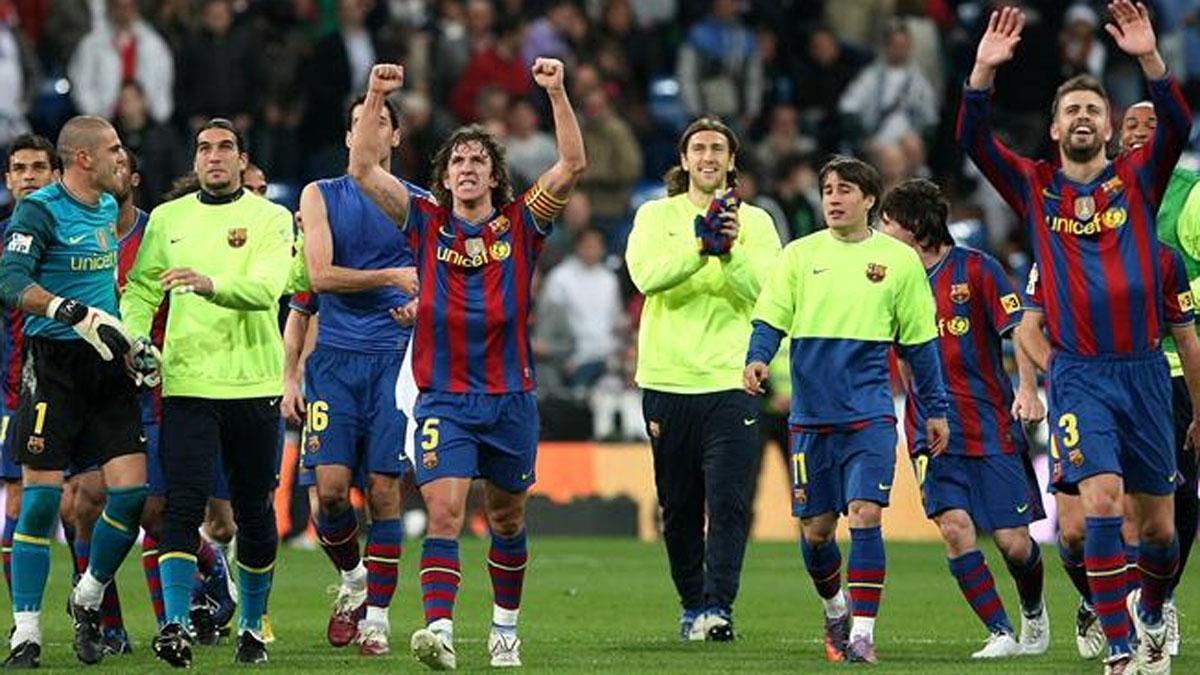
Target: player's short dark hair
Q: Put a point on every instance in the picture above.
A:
(33, 142)
(393, 110)
(183, 185)
(225, 125)
(857, 172)
(676, 178)
(501, 194)
(134, 162)
(1083, 82)
(918, 206)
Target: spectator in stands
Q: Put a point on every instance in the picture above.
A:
(783, 138)
(719, 67)
(553, 33)
(530, 150)
(67, 22)
(798, 193)
(576, 217)
(862, 23)
(462, 32)
(161, 152)
(1082, 50)
(891, 98)
(123, 47)
(218, 72)
(336, 70)
(590, 293)
(825, 71)
(616, 156)
(19, 76)
(643, 54)
(500, 64)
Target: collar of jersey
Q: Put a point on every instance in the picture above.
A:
(211, 199)
(455, 219)
(71, 195)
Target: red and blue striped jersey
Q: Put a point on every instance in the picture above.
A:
(472, 329)
(1095, 243)
(1178, 304)
(127, 251)
(12, 349)
(976, 307)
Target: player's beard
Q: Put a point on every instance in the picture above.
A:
(1082, 154)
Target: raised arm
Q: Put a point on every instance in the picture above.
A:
(381, 186)
(324, 276)
(1134, 34)
(559, 180)
(1004, 169)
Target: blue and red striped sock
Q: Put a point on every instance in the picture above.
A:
(1157, 565)
(865, 576)
(1133, 576)
(971, 572)
(81, 553)
(1072, 562)
(506, 561)
(10, 526)
(824, 565)
(110, 608)
(384, 541)
(1030, 579)
(1104, 555)
(339, 538)
(153, 580)
(440, 576)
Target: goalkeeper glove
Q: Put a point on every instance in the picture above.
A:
(708, 226)
(101, 330)
(145, 363)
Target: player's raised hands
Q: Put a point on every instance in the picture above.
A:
(754, 376)
(386, 78)
(548, 73)
(1001, 38)
(1131, 28)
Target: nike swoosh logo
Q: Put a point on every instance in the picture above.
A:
(75, 240)
(1049, 195)
(177, 240)
(884, 488)
(1022, 508)
(820, 270)
(442, 231)
(525, 476)
(274, 402)
(749, 421)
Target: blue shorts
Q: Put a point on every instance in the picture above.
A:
(9, 469)
(154, 470)
(352, 416)
(1112, 414)
(998, 491)
(492, 436)
(306, 477)
(830, 470)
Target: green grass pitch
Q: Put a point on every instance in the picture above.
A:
(607, 605)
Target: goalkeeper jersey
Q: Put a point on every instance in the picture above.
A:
(227, 346)
(65, 246)
(696, 319)
(1179, 227)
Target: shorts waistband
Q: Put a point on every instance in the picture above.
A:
(1135, 357)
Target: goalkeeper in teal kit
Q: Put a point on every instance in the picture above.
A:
(78, 407)
(844, 296)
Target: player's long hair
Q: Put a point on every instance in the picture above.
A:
(501, 194)
(918, 206)
(677, 178)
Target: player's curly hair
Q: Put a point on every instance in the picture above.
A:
(918, 206)
(501, 194)
(677, 178)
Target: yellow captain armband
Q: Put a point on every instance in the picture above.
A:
(545, 206)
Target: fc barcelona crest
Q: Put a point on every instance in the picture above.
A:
(36, 445)
(1076, 458)
(474, 247)
(429, 460)
(960, 293)
(314, 443)
(237, 237)
(499, 226)
(1085, 207)
(876, 272)
(799, 496)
